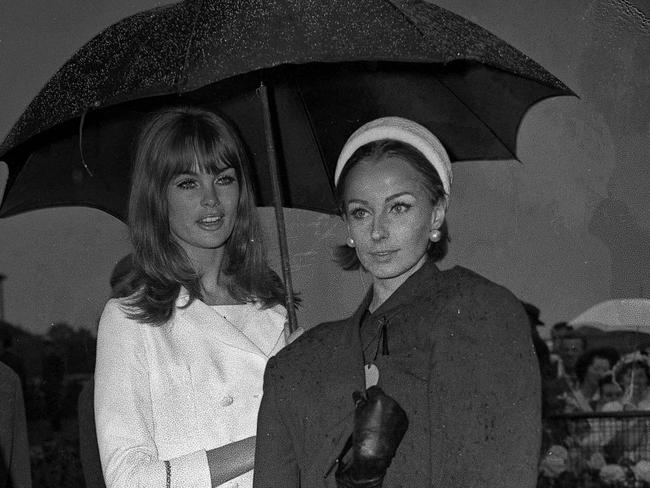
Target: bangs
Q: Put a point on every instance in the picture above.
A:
(203, 150)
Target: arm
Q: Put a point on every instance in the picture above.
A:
(511, 391)
(276, 464)
(232, 460)
(490, 414)
(124, 416)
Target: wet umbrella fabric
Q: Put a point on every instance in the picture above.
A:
(330, 67)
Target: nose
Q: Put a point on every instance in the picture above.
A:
(210, 198)
(379, 229)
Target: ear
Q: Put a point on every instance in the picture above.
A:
(438, 214)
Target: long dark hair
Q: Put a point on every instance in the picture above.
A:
(179, 140)
(346, 256)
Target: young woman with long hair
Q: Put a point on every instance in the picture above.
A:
(178, 379)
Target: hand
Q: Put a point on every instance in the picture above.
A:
(379, 426)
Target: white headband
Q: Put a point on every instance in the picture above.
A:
(403, 130)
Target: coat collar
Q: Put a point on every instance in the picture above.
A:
(423, 281)
(204, 316)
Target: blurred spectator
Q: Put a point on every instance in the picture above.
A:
(52, 386)
(15, 471)
(632, 441)
(10, 358)
(571, 347)
(633, 374)
(608, 391)
(558, 331)
(590, 368)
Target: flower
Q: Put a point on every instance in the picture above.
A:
(596, 461)
(554, 462)
(612, 473)
(642, 470)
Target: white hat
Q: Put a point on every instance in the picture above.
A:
(403, 130)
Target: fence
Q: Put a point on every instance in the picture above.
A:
(594, 450)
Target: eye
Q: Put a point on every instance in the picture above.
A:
(400, 207)
(186, 183)
(225, 179)
(358, 213)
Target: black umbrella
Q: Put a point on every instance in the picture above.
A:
(296, 76)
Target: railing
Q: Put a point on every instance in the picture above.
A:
(594, 450)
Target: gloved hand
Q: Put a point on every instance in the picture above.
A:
(379, 426)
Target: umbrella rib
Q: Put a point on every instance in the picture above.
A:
(406, 17)
(182, 78)
(330, 177)
(473, 112)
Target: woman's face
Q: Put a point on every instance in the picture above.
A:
(389, 215)
(597, 369)
(202, 210)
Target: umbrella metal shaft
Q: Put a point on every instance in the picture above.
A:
(277, 205)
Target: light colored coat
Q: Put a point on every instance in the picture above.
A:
(176, 391)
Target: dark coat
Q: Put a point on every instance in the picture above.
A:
(461, 364)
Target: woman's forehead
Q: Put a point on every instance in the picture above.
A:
(388, 174)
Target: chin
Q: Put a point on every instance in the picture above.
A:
(386, 272)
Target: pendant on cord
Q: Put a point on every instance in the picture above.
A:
(372, 374)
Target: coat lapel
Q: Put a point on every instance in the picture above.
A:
(202, 315)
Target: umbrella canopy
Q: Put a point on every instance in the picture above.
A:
(625, 314)
(330, 67)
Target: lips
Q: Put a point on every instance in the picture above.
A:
(382, 256)
(211, 221)
(382, 253)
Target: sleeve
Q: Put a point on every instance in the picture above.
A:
(509, 400)
(124, 414)
(491, 416)
(276, 465)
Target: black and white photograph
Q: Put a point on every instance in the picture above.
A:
(325, 244)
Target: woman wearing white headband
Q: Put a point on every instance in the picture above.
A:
(448, 350)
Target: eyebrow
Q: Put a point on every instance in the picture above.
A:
(194, 173)
(386, 200)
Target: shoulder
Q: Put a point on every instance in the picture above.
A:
(466, 287)
(311, 348)
(9, 380)
(116, 318)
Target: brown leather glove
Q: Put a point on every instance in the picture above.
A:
(379, 426)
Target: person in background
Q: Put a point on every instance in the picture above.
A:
(590, 368)
(15, 470)
(558, 331)
(571, 347)
(609, 391)
(447, 352)
(632, 373)
(180, 362)
(9, 356)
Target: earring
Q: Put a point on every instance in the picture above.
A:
(435, 235)
(350, 242)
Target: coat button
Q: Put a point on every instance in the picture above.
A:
(226, 401)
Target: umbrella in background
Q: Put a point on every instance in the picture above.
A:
(297, 77)
(623, 323)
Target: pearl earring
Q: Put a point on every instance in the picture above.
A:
(350, 242)
(435, 235)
